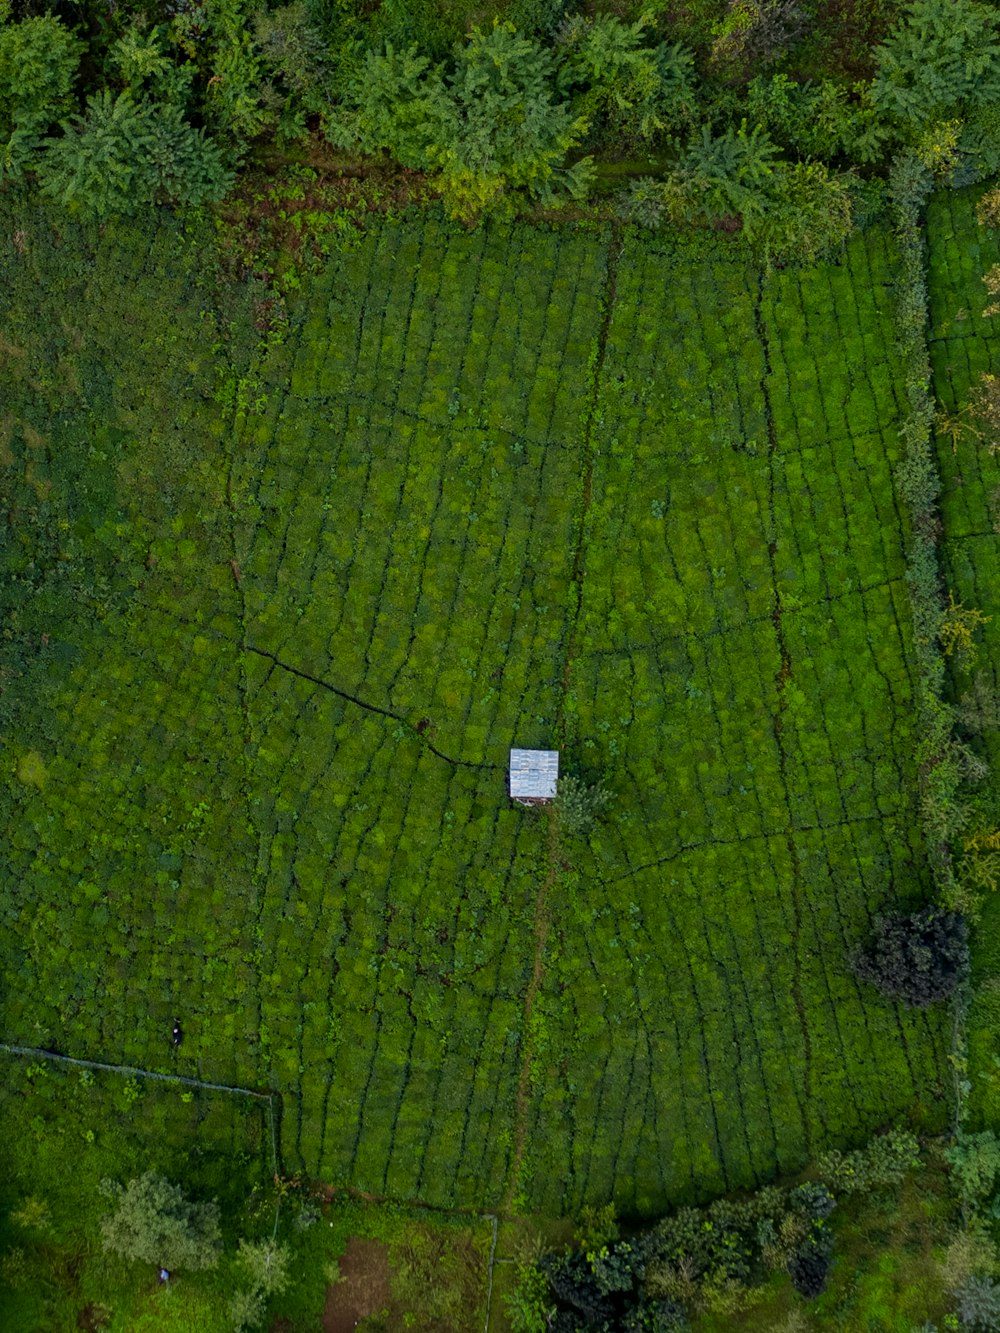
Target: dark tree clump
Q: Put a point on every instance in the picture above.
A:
(809, 1266)
(573, 1281)
(918, 958)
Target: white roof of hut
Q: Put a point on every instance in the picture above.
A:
(533, 775)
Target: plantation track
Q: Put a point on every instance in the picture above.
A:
(541, 933)
(782, 679)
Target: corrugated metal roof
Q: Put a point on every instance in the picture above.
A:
(534, 774)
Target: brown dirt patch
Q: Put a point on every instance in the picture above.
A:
(363, 1288)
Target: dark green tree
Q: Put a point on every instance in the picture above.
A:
(620, 81)
(754, 34)
(810, 1264)
(723, 176)
(979, 1304)
(941, 58)
(504, 127)
(296, 66)
(122, 155)
(917, 958)
(492, 125)
(393, 102)
(822, 120)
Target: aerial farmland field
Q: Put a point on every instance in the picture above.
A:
(277, 614)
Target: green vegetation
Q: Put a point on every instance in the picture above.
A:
(315, 505)
(754, 114)
(68, 1131)
(269, 718)
(964, 349)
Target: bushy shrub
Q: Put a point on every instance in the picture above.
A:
(883, 1161)
(975, 1165)
(574, 1283)
(813, 1200)
(578, 805)
(917, 958)
(529, 1305)
(822, 120)
(154, 1223)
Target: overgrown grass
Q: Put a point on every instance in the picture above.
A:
(65, 1130)
(277, 628)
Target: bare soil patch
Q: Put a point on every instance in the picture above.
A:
(363, 1288)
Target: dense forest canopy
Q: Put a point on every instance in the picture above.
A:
(767, 116)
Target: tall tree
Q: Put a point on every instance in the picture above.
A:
(942, 58)
(38, 66)
(153, 1222)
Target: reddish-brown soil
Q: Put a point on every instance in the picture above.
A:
(363, 1288)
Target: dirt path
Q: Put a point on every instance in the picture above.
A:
(541, 932)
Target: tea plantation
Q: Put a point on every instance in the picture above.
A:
(274, 615)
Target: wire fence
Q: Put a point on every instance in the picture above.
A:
(271, 1099)
(273, 1103)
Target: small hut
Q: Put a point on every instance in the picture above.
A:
(533, 776)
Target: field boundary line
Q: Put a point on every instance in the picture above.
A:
(133, 1071)
(490, 1217)
(919, 485)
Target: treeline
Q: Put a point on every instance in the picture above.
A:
(776, 118)
(717, 1261)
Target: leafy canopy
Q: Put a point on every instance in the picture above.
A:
(123, 154)
(38, 66)
(154, 1223)
(942, 57)
(492, 124)
(918, 958)
(637, 89)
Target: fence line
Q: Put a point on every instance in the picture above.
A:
(273, 1100)
(8, 1048)
(492, 1217)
